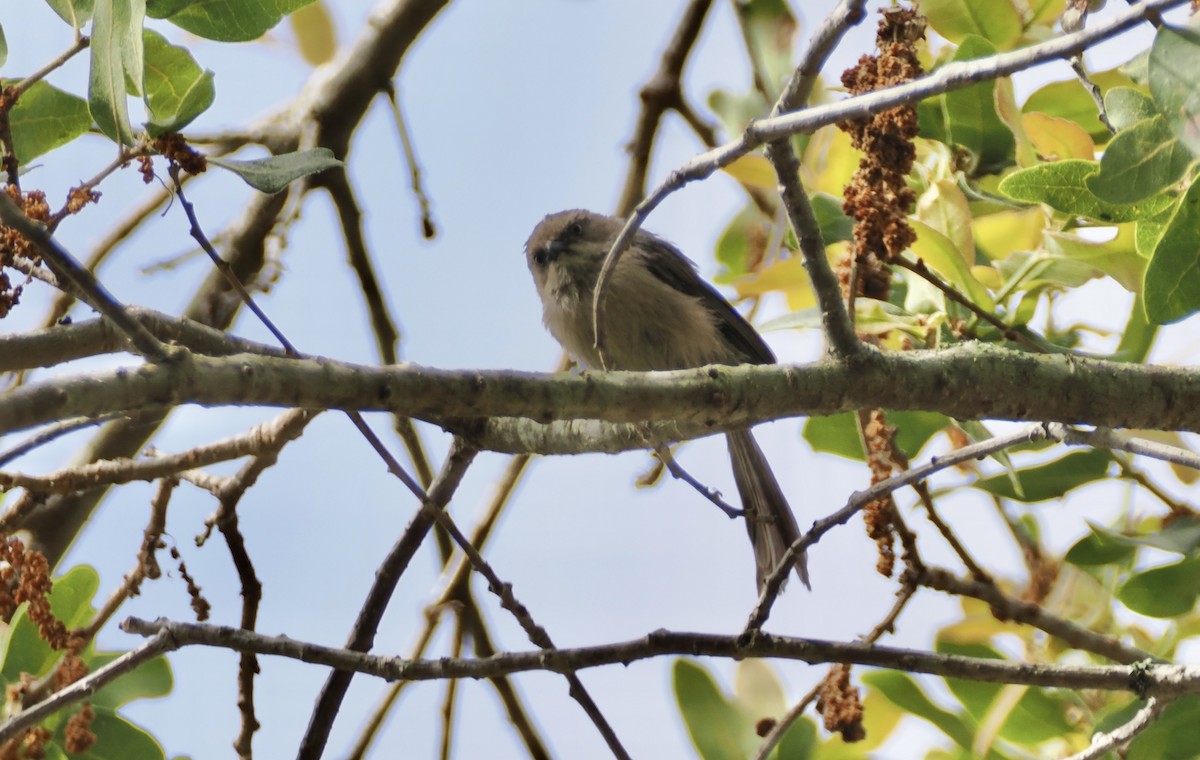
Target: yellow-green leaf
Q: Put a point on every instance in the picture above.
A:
(1058, 138)
(943, 257)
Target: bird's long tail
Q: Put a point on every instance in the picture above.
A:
(769, 519)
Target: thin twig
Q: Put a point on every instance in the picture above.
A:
(362, 635)
(1092, 89)
(1103, 743)
(919, 268)
(85, 687)
(951, 76)
(428, 227)
(1005, 607)
(662, 92)
(677, 471)
(51, 433)
(1107, 438)
(66, 267)
(886, 625)
(859, 499)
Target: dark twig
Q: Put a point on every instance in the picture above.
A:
(457, 590)
(1007, 608)
(839, 330)
(661, 93)
(51, 433)
(65, 267)
(886, 625)
(158, 644)
(428, 228)
(1151, 679)
(223, 266)
(859, 499)
(362, 635)
(919, 268)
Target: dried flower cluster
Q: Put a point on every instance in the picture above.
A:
(878, 197)
(13, 244)
(840, 705)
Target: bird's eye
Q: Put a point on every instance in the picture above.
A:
(575, 229)
(540, 257)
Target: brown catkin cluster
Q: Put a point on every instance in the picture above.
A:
(13, 244)
(174, 147)
(840, 705)
(878, 197)
(25, 577)
(877, 516)
(78, 732)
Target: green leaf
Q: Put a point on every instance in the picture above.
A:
(117, 738)
(1172, 283)
(998, 21)
(1163, 592)
(903, 690)
(270, 175)
(1069, 100)
(70, 600)
(1118, 258)
(838, 433)
(1101, 547)
(718, 731)
(1171, 737)
(1127, 106)
(971, 118)
(1180, 536)
(734, 243)
(1050, 480)
(800, 742)
(24, 650)
(942, 256)
(1174, 60)
(771, 30)
(222, 20)
(74, 12)
(71, 596)
(1148, 233)
(1138, 336)
(46, 117)
(151, 680)
(177, 89)
(835, 225)
(116, 59)
(1035, 718)
(1140, 161)
(1062, 186)
(3, 48)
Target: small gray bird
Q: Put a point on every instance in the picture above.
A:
(660, 315)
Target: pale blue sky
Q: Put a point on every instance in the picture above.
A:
(517, 109)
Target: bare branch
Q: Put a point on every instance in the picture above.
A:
(87, 686)
(65, 267)
(1103, 743)
(774, 583)
(1151, 679)
(1104, 438)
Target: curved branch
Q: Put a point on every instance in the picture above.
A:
(970, 381)
(1151, 680)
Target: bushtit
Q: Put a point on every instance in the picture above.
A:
(660, 315)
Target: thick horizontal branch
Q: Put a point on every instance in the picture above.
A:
(973, 381)
(1145, 679)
